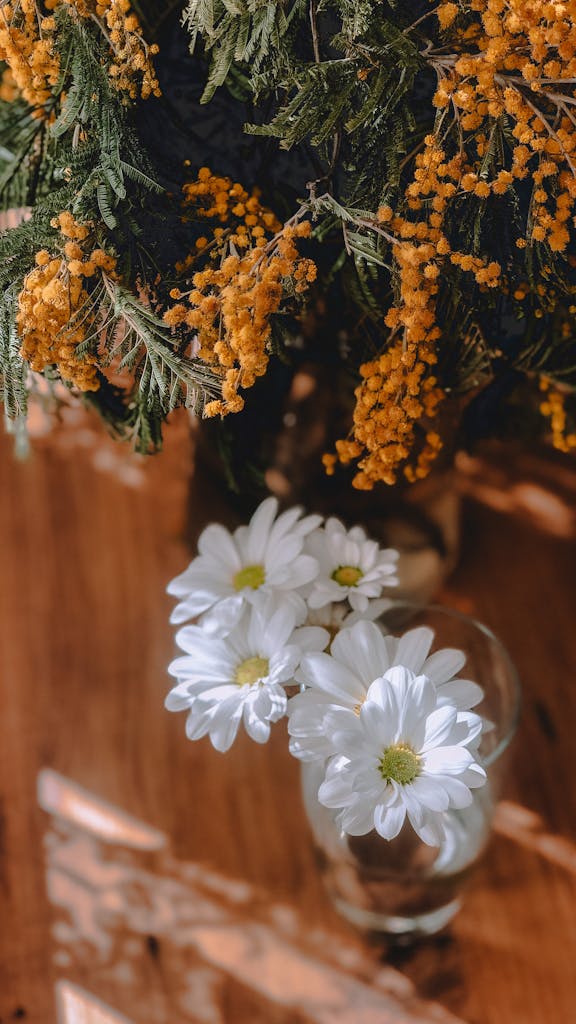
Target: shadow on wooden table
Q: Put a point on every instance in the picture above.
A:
(122, 903)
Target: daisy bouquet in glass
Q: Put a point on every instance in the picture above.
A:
(284, 624)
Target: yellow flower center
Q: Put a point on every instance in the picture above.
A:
(347, 575)
(399, 764)
(251, 670)
(250, 576)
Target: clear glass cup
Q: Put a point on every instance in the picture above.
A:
(405, 888)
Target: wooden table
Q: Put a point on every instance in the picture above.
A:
(147, 879)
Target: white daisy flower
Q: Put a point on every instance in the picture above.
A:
(403, 755)
(223, 680)
(352, 568)
(266, 557)
(359, 655)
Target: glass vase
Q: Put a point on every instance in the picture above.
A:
(404, 888)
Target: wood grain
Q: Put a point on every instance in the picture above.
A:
(205, 904)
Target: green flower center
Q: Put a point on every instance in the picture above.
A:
(347, 575)
(250, 576)
(399, 764)
(251, 670)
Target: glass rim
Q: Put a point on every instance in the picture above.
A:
(421, 606)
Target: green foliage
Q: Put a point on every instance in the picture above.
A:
(13, 369)
(88, 160)
(240, 31)
(344, 87)
(140, 342)
(84, 156)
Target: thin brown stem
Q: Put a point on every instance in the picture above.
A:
(314, 27)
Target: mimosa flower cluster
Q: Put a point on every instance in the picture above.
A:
(249, 263)
(402, 219)
(285, 604)
(56, 314)
(505, 98)
(28, 46)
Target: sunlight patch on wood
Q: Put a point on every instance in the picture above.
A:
(528, 829)
(75, 1006)
(62, 798)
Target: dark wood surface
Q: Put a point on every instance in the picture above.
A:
(147, 879)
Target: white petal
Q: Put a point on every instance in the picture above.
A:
(373, 611)
(311, 638)
(324, 592)
(379, 726)
(308, 703)
(362, 648)
(270, 702)
(413, 648)
(399, 679)
(224, 615)
(419, 701)
(310, 749)
(458, 792)
(388, 821)
(255, 540)
(326, 674)
(299, 572)
(462, 693)
(283, 529)
(358, 821)
(438, 727)
(225, 721)
(443, 665)
(430, 793)
(343, 729)
(447, 760)
(413, 806)
(198, 722)
(380, 692)
(474, 776)
(203, 646)
(202, 574)
(357, 600)
(281, 555)
(215, 542)
(257, 728)
(283, 665)
(307, 524)
(178, 698)
(183, 584)
(270, 628)
(472, 723)
(191, 671)
(335, 792)
(289, 523)
(194, 605)
(430, 829)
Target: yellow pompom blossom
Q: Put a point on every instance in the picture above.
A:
(28, 50)
(517, 65)
(241, 283)
(553, 408)
(514, 64)
(8, 88)
(55, 314)
(27, 46)
(400, 388)
(130, 69)
(397, 392)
